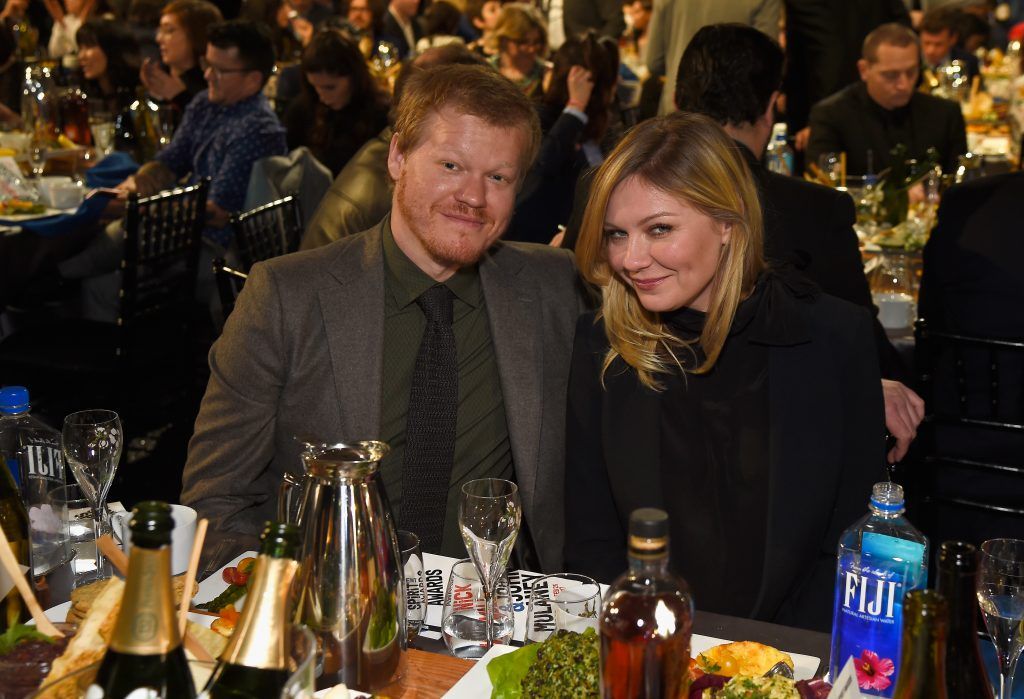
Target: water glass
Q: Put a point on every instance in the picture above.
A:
(415, 583)
(562, 602)
(77, 521)
(463, 618)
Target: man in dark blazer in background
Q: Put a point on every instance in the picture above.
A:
(603, 16)
(323, 344)
(732, 73)
(868, 119)
(401, 26)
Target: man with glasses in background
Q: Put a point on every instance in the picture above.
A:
(224, 131)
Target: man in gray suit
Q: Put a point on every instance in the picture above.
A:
(323, 344)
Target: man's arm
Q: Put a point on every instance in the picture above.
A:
(657, 39)
(177, 156)
(231, 181)
(956, 140)
(233, 442)
(825, 136)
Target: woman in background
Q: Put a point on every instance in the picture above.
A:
(740, 399)
(181, 36)
(108, 57)
(340, 107)
(522, 38)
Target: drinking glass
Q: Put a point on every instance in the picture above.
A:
(1001, 598)
(472, 621)
(562, 602)
(77, 525)
(415, 584)
(831, 165)
(92, 448)
(489, 516)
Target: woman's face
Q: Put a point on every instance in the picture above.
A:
(92, 61)
(489, 15)
(639, 15)
(334, 91)
(663, 248)
(526, 48)
(175, 48)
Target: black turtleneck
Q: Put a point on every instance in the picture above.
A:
(714, 461)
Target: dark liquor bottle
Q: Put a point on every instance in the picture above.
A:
(923, 660)
(255, 662)
(647, 619)
(14, 521)
(965, 670)
(145, 657)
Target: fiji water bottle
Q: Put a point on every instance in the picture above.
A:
(779, 155)
(881, 558)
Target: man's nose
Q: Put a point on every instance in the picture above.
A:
(473, 192)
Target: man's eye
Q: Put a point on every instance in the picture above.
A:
(447, 165)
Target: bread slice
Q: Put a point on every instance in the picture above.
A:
(88, 645)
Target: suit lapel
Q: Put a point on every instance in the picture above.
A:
(353, 312)
(515, 320)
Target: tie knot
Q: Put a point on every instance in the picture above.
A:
(436, 303)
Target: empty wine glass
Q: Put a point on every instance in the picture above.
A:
(37, 160)
(1001, 598)
(92, 441)
(489, 516)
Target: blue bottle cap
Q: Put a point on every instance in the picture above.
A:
(13, 399)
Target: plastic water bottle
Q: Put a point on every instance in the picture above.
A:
(779, 155)
(31, 450)
(881, 558)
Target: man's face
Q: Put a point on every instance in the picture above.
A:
(892, 77)
(228, 79)
(360, 14)
(936, 47)
(454, 191)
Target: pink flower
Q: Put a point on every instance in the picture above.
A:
(874, 672)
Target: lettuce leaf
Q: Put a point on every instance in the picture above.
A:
(18, 633)
(507, 671)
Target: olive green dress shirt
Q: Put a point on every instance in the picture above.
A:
(482, 447)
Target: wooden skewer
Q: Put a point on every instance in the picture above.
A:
(190, 574)
(842, 169)
(109, 548)
(10, 564)
(197, 649)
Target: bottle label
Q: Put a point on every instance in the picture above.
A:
(146, 624)
(869, 609)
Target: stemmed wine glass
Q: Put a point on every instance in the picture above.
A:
(1001, 598)
(92, 442)
(489, 516)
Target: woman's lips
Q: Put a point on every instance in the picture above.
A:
(646, 284)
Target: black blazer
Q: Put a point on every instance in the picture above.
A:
(392, 33)
(826, 428)
(851, 121)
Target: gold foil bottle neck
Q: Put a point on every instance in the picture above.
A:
(146, 624)
(261, 638)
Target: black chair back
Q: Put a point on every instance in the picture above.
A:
(163, 235)
(229, 285)
(268, 231)
(972, 437)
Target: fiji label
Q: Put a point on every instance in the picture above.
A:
(869, 609)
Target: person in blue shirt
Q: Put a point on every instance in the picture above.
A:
(225, 129)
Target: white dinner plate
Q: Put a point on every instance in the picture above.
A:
(476, 684)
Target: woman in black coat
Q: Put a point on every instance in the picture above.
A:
(738, 398)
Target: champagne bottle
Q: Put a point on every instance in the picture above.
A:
(255, 662)
(965, 670)
(14, 521)
(145, 658)
(923, 661)
(647, 619)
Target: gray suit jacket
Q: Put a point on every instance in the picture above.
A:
(300, 358)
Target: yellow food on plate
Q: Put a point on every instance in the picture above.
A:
(741, 658)
(14, 207)
(744, 687)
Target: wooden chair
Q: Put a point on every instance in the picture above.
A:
(268, 231)
(229, 285)
(141, 362)
(972, 437)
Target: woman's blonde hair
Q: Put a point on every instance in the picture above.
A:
(688, 156)
(517, 21)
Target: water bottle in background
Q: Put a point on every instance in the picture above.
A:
(779, 155)
(881, 558)
(31, 450)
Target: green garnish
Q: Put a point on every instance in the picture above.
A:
(567, 664)
(507, 671)
(20, 633)
(229, 596)
(710, 667)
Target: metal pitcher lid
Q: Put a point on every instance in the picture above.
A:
(356, 460)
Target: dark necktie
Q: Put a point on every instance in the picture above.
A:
(430, 423)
